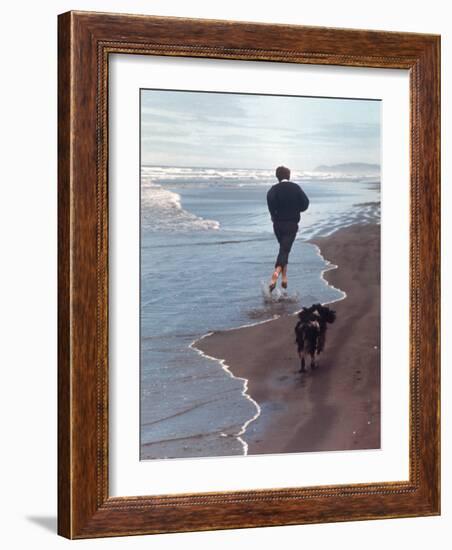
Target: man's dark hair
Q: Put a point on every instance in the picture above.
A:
(282, 173)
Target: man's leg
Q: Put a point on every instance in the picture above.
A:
(278, 268)
(285, 245)
(284, 276)
(275, 275)
(285, 233)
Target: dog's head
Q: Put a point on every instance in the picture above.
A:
(326, 314)
(323, 313)
(305, 315)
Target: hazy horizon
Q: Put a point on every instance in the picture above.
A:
(248, 167)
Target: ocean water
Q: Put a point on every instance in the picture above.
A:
(207, 253)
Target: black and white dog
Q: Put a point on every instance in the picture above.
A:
(310, 331)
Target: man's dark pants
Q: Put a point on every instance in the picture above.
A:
(285, 232)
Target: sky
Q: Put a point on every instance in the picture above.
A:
(225, 130)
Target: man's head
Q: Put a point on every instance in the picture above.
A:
(282, 173)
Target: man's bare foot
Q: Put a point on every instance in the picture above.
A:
(274, 280)
(284, 282)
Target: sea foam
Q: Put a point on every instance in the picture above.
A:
(162, 210)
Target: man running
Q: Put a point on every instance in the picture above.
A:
(285, 201)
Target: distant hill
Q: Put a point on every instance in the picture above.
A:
(350, 168)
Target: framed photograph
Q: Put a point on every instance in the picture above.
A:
(248, 275)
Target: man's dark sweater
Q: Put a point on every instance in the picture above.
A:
(285, 201)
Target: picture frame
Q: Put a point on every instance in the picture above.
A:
(85, 42)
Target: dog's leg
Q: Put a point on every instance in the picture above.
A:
(313, 365)
(321, 340)
(302, 366)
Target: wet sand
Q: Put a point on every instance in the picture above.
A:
(336, 406)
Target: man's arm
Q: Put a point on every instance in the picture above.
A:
(303, 201)
(271, 201)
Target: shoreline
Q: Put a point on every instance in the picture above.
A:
(245, 393)
(330, 267)
(337, 406)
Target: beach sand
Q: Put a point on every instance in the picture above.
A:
(336, 406)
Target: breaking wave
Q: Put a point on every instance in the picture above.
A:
(240, 177)
(162, 210)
